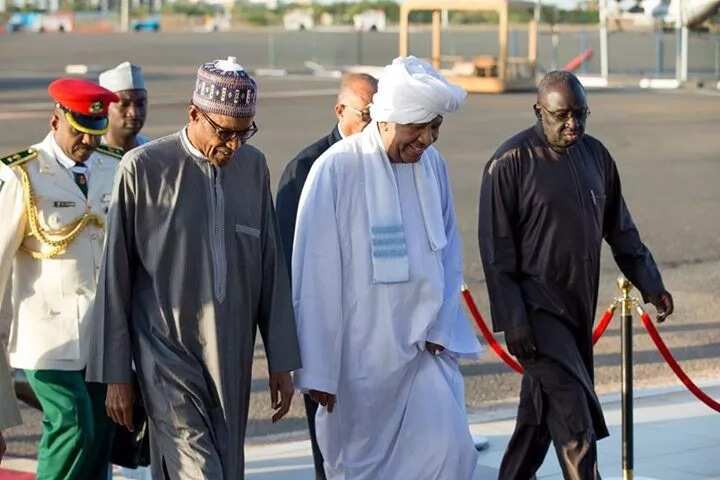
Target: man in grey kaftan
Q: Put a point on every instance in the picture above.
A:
(193, 265)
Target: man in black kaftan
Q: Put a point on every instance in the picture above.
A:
(549, 196)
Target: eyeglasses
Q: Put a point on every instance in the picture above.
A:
(564, 115)
(363, 114)
(226, 134)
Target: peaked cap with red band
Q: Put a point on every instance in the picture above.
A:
(85, 103)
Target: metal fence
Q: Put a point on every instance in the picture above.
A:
(635, 53)
(632, 53)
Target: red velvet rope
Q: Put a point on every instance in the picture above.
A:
(500, 351)
(603, 323)
(489, 338)
(665, 352)
(597, 333)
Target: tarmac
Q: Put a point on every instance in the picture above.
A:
(665, 145)
(676, 438)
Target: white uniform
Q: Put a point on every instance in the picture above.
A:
(50, 297)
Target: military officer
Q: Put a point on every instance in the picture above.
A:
(126, 116)
(54, 197)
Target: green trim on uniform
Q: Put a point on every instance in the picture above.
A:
(19, 158)
(112, 151)
(77, 433)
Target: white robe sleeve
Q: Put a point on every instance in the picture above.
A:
(452, 329)
(317, 283)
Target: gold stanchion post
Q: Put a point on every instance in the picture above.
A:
(627, 304)
(627, 378)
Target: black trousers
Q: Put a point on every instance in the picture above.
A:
(310, 410)
(553, 407)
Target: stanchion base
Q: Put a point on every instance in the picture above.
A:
(481, 443)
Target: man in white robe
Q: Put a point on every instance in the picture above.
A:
(377, 270)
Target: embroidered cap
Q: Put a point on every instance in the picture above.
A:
(225, 88)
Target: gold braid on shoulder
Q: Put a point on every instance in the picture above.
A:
(56, 240)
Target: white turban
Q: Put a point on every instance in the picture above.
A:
(412, 91)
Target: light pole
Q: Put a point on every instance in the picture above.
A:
(681, 49)
(124, 15)
(602, 12)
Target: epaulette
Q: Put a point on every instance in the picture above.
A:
(112, 151)
(19, 158)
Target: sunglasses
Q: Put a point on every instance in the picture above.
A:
(226, 134)
(564, 115)
(363, 114)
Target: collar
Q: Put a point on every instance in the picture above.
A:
(335, 136)
(140, 139)
(63, 159)
(189, 147)
(342, 135)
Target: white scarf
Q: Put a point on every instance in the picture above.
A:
(387, 232)
(409, 91)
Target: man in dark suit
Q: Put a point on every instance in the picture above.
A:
(353, 113)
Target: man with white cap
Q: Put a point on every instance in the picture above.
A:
(193, 267)
(127, 116)
(377, 270)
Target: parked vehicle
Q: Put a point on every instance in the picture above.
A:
(39, 22)
(299, 19)
(150, 24)
(369, 21)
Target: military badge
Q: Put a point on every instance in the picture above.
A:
(96, 107)
(15, 159)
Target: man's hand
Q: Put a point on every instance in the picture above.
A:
(663, 304)
(280, 382)
(434, 348)
(119, 404)
(521, 342)
(3, 447)
(323, 398)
